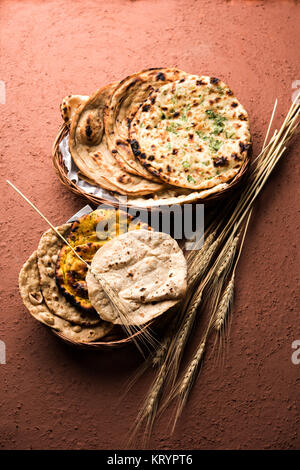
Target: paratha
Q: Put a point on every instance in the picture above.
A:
(69, 105)
(87, 235)
(48, 249)
(89, 150)
(123, 104)
(32, 296)
(192, 133)
(147, 270)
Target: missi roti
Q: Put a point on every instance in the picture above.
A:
(87, 235)
(192, 133)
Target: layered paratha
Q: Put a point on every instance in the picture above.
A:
(69, 105)
(48, 249)
(123, 104)
(88, 147)
(147, 271)
(192, 133)
(32, 296)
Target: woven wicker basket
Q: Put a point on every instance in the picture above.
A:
(95, 200)
(117, 338)
(114, 340)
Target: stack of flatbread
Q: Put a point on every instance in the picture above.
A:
(158, 134)
(70, 291)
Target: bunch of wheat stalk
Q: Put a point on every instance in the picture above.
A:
(211, 276)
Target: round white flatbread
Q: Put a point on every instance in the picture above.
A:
(146, 270)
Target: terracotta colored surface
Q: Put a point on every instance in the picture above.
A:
(54, 397)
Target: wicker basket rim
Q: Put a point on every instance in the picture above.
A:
(62, 175)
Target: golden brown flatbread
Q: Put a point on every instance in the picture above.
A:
(48, 250)
(89, 150)
(88, 234)
(69, 105)
(32, 296)
(124, 102)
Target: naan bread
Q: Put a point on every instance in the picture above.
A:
(89, 149)
(48, 249)
(69, 105)
(87, 235)
(123, 104)
(147, 271)
(32, 296)
(192, 133)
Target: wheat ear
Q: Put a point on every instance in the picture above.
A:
(189, 377)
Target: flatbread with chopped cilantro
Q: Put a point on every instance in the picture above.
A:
(129, 94)
(191, 133)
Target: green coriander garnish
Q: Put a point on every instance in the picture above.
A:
(219, 120)
(190, 179)
(172, 128)
(215, 144)
(184, 111)
(201, 135)
(218, 129)
(210, 113)
(185, 164)
(229, 136)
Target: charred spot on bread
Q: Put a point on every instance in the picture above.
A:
(88, 131)
(200, 82)
(135, 147)
(161, 76)
(244, 147)
(220, 161)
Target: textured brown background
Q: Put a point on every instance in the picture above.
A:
(54, 397)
